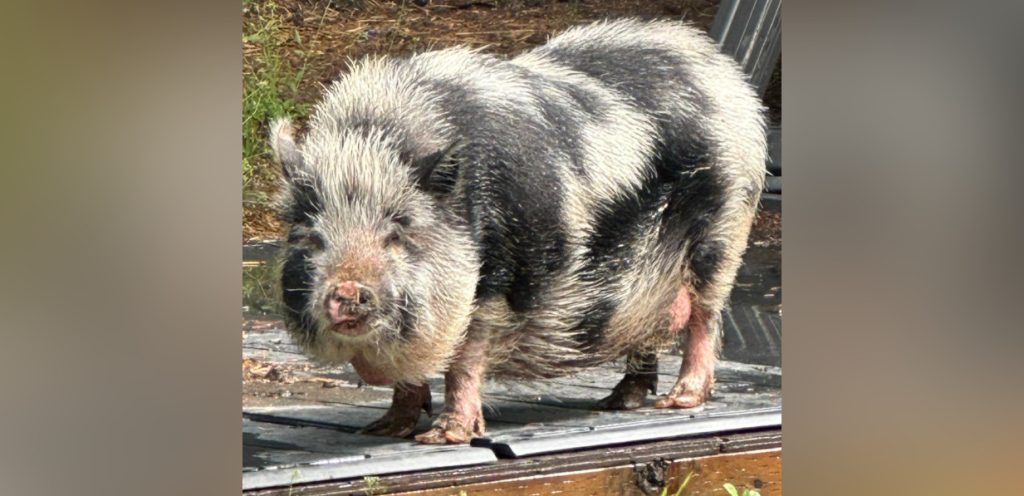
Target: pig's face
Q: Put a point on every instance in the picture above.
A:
(371, 259)
(358, 264)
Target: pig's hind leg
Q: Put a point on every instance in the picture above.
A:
(697, 374)
(641, 377)
(404, 413)
(711, 264)
(642, 367)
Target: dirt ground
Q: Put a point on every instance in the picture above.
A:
(274, 372)
(767, 230)
(333, 31)
(270, 383)
(318, 37)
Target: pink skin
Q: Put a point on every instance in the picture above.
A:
(696, 376)
(368, 373)
(679, 312)
(349, 324)
(463, 417)
(343, 320)
(347, 290)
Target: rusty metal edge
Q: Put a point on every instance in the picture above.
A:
(545, 465)
(513, 447)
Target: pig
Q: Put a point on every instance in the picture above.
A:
(483, 217)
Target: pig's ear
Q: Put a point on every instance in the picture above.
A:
(286, 152)
(437, 171)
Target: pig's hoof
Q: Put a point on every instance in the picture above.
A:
(685, 400)
(392, 425)
(404, 413)
(450, 428)
(691, 391)
(629, 394)
(684, 397)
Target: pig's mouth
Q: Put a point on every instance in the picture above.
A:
(350, 325)
(350, 321)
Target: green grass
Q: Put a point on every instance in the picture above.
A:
(679, 491)
(373, 485)
(731, 489)
(270, 89)
(259, 289)
(295, 475)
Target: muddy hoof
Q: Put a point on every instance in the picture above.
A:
(453, 429)
(629, 394)
(404, 413)
(685, 399)
(392, 425)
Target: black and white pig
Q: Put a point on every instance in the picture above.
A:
(462, 213)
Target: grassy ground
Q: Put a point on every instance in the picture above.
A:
(271, 79)
(291, 48)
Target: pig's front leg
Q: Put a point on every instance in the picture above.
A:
(463, 417)
(401, 419)
(406, 403)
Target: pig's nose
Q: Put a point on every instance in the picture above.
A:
(351, 292)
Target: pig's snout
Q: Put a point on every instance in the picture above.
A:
(348, 302)
(352, 293)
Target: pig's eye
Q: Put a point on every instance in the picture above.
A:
(308, 240)
(315, 241)
(393, 239)
(401, 220)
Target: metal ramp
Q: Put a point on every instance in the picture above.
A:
(300, 444)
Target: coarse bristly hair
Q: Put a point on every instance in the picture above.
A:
(554, 203)
(345, 196)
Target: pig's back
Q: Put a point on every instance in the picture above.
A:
(598, 173)
(541, 148)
